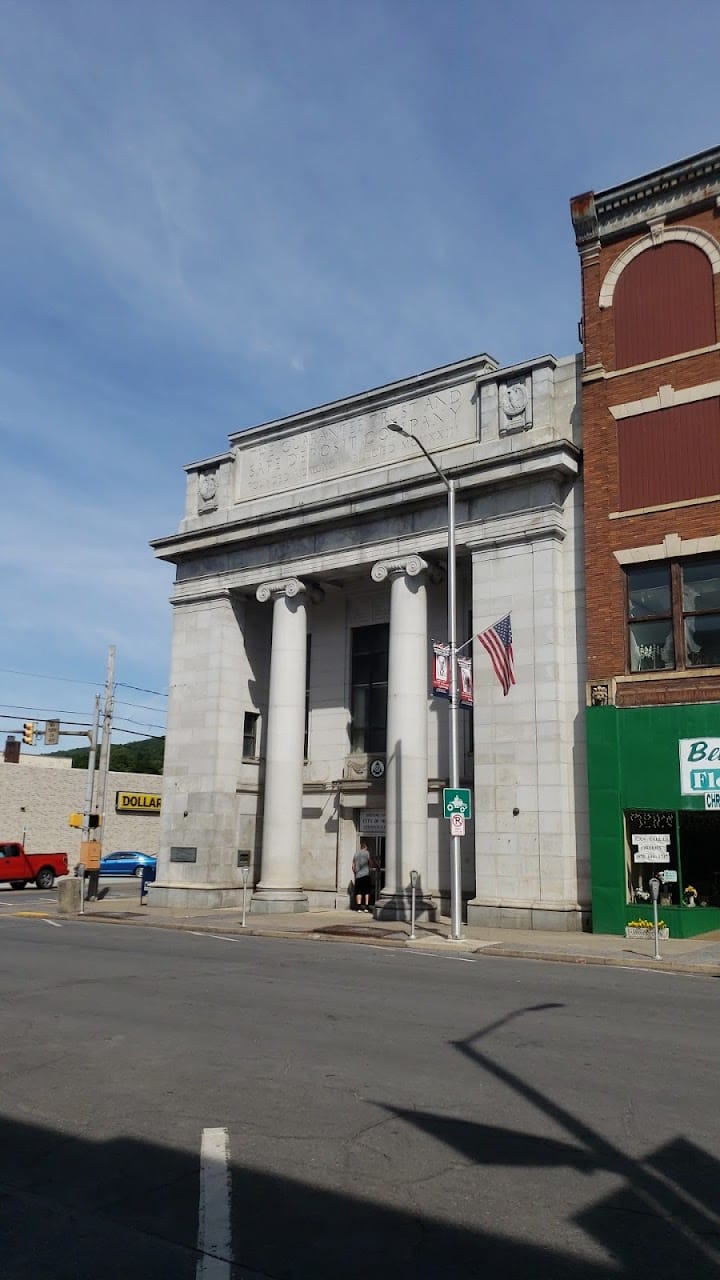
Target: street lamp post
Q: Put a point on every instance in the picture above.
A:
(455, 863)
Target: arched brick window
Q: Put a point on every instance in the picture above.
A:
(663, 304)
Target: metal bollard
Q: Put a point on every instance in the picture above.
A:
(413, 890)
(244, 872)
(80, 873)
(654, 893)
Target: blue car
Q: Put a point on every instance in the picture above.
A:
(128, 864)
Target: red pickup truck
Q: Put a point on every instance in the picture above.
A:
(19, 867)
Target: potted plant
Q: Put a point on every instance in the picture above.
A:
(644, 928)
(690, 895)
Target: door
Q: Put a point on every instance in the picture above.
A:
(376, 845)
(13, 863)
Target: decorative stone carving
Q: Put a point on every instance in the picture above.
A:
(289, 587)
(515, 405)
(411, 565)
(283, 587)
(207, 491)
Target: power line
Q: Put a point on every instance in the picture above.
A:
(43, 714)
(145, 724)
(36, 675)
(120, 685)
(82, 722)
(93, 684)
(142, 706)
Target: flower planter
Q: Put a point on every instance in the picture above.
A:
(630, 932)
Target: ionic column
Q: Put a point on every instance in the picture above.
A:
(279, 888)
(406, 786)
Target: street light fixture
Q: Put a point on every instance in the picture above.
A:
(455, 863)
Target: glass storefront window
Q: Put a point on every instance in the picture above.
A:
(673, 614)
(649, 591)
(701, 586)
(651, 847)
(651, 646)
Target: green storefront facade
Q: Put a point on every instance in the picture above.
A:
(635, 798)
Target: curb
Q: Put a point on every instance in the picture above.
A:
(618, 962)
(496, 949)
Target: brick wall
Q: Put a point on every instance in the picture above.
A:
(605, 582)
(39, 800)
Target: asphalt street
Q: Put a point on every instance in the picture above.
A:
(382, 1112)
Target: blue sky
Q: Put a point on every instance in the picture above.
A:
(217, 213)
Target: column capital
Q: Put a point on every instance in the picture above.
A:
(412, 566)
(288, 587)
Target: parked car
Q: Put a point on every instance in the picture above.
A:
(128, 864)
(20, 867)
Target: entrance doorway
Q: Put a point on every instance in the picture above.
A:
(376, 846)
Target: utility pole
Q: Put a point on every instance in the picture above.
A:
(93, 736)
(104, 765)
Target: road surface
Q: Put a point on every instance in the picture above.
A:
(186, 1106)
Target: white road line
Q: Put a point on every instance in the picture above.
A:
(54, 923)
(440, 955)
(16, 902)
(219, 937)
(214, 1235)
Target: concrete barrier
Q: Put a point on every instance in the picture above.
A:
(69, 896)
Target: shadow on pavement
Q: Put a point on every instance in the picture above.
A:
(72, 1208)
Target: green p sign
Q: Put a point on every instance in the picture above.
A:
(457, 800)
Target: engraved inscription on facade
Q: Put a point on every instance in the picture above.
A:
(355, 445)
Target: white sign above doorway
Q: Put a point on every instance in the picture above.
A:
(371, 822)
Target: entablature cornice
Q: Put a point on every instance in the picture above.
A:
(558, 458)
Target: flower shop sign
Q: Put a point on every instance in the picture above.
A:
(699, 765)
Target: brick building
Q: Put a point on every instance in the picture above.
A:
(650, 261)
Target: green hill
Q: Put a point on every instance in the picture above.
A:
(145, 756)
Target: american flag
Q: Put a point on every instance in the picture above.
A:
(497, 640)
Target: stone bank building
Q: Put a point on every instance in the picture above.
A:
(311, 582)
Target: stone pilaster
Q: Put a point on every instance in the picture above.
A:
(197, 863)
(527, 744)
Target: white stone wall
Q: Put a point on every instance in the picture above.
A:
(323, 496)
(39, 801)
(209, 692)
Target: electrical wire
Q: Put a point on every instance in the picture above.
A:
(119, 684)
(35, 675)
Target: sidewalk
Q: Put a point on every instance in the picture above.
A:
(679, 955)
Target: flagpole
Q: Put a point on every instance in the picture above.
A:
(454, 750)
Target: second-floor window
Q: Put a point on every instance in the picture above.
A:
(369, 677)
(673, 611)
(250, 735)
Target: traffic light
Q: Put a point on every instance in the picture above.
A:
(29, 732)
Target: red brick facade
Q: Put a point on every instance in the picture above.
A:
(666, 203)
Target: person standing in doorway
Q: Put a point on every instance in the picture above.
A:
(362, 864)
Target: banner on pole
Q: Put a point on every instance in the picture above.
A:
(441, 671)
(466, 681)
